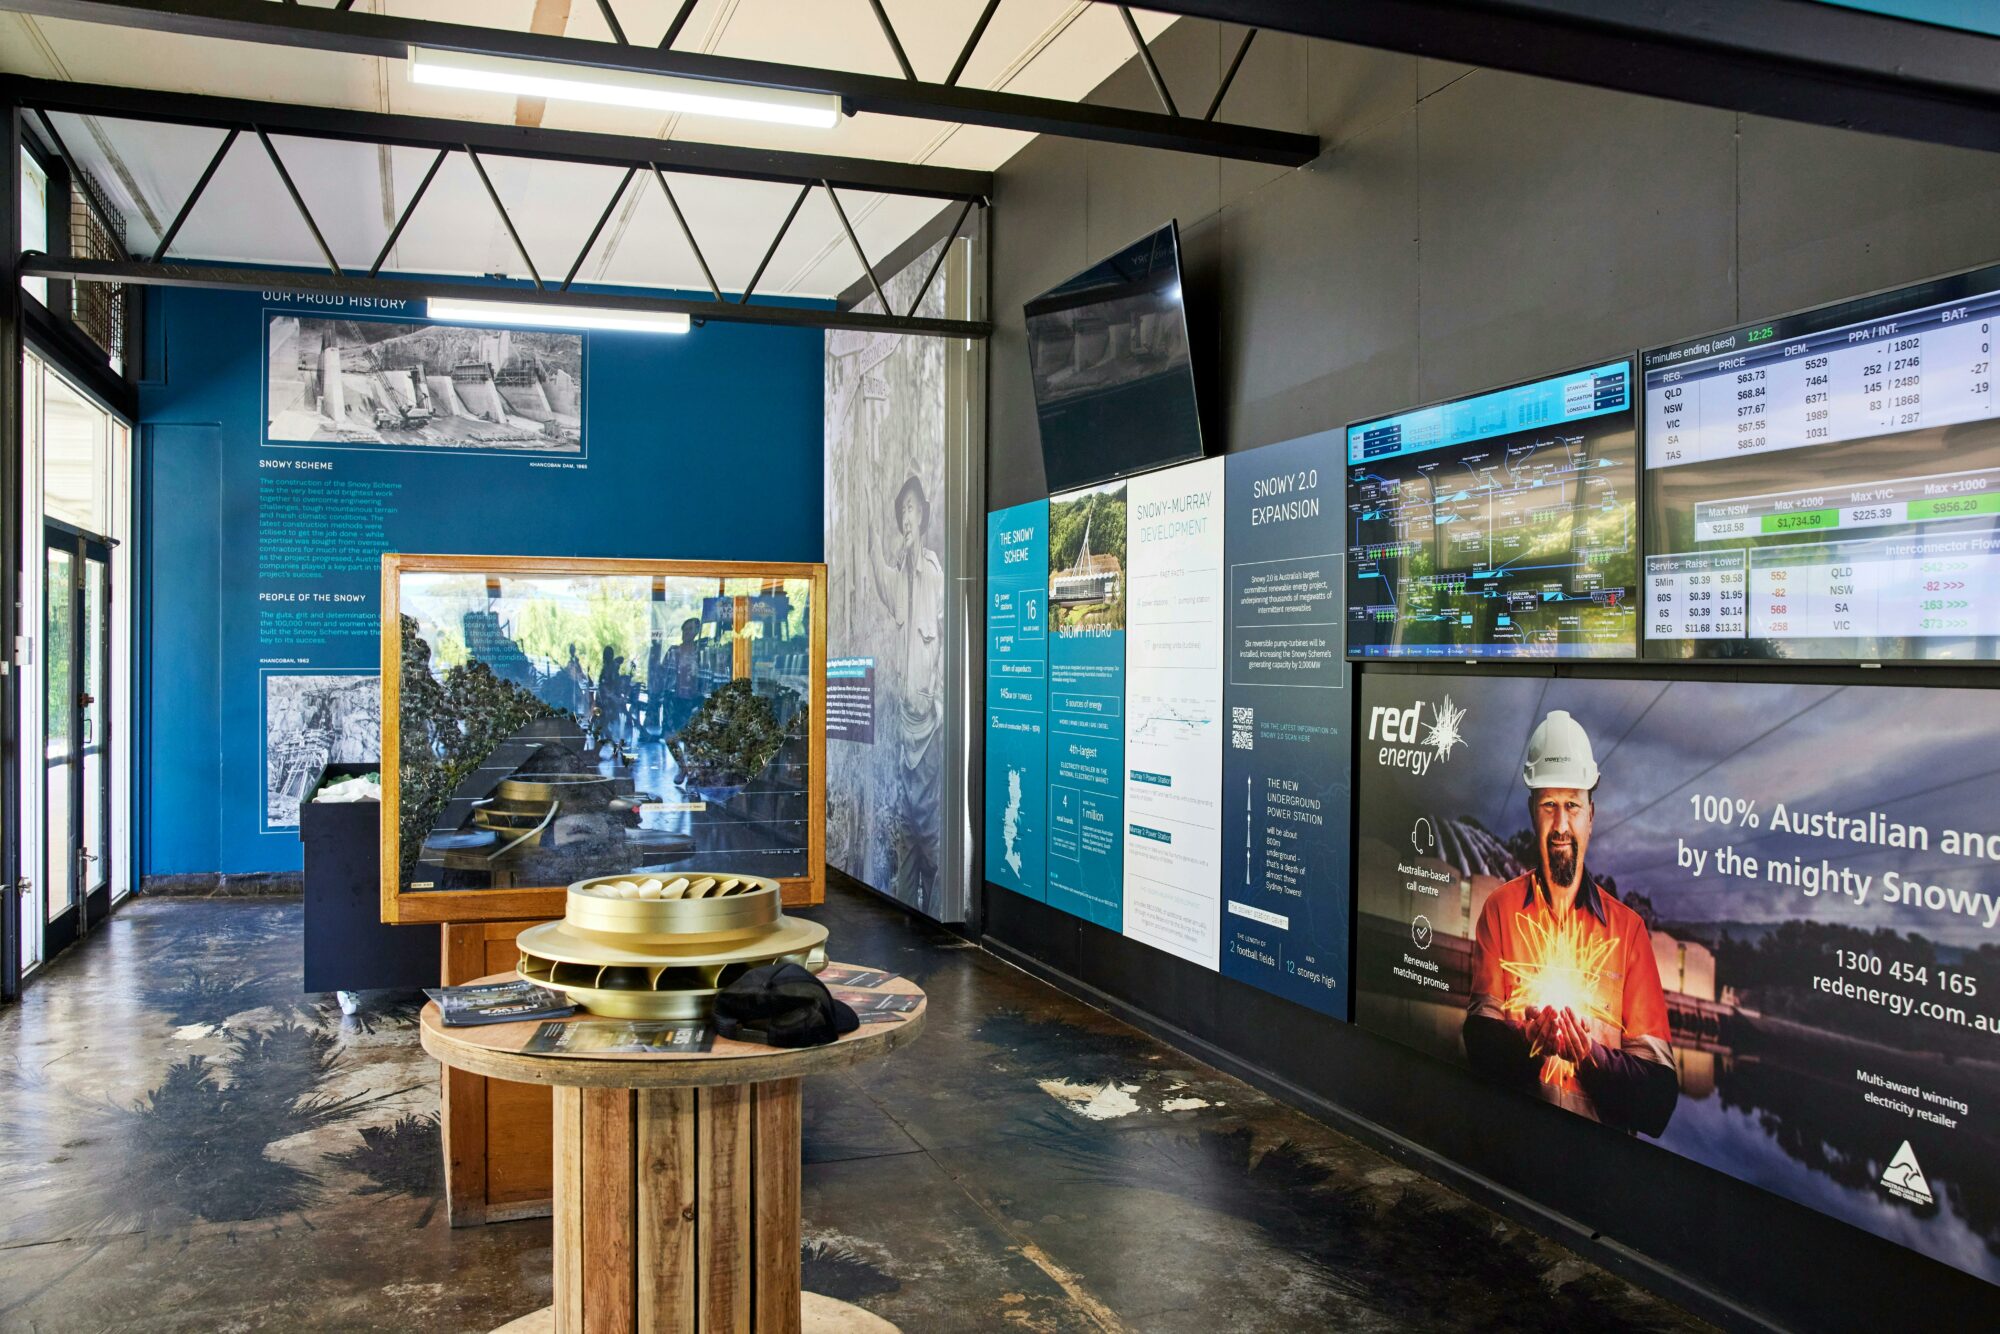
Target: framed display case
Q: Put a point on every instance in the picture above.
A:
(547, 719)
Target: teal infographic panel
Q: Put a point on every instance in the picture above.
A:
(1017, 697)
(1186, 710)
(1086, 571)
(1285, 767)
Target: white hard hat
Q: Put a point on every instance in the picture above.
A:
(1559, 755)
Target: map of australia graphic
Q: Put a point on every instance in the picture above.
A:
(1010, 823)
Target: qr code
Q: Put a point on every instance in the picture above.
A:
(1242, 728)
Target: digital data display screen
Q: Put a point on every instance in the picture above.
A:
(1502, 525)
(1827, 485)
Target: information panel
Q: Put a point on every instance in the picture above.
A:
(1086, 774)
(1285, 763)
(1828, 485)
(1767, 940)
(1173, 711)
(1017, 697)
(1498, 526)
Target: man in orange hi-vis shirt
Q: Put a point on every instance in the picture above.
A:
(1566, 998)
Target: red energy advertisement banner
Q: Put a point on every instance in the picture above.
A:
(1754, 923)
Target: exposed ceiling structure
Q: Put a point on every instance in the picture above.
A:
(355, 192)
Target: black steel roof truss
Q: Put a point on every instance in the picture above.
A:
(687, 231)
(1229, 75)
(431, 133)
(200, 187)
(937, 263)
(419, 289)
(859, 253)
(776, 241)
(681, 17)
(391, 36)
(506, 220)
(403, 219)
(1817, 64)
(611, 21)
(1146, 59)
(895, 43)
(721, 307)
(598, 230)
(973, 41)
(299, 202)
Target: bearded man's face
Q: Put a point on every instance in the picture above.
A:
(1562, 831)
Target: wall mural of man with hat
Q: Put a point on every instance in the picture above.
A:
(888, 584)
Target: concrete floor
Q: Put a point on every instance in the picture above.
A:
(190, 1143)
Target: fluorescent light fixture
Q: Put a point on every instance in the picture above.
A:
(621, 88)
(519, 314)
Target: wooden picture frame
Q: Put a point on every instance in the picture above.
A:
(402, 906)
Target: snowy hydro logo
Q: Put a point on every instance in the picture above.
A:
(1410, 742)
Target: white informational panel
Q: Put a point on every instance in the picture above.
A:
(1173, 711)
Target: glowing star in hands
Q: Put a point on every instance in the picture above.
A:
(1561, 970)
(1444, 732)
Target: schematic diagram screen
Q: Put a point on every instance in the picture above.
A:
(1827, 485)
(1502, 525)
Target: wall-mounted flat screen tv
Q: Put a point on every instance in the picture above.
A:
(1114, 384)
(1500, 525)
(1826, 486)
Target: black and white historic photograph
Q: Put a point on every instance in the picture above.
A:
(344, 381)
(311, 721)
(885, 445)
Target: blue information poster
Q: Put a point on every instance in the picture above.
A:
(1017, 697)
(1086, 573)
(1285, 765)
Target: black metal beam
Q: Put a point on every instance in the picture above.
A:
(590, 241)
(428, 132)
(403, 218)
(385, 35)
(1146, 59)
(1229, 75)
(421, 289)
(971, 42)
(194, 195)
(688, 233)
(776, 241)
(1791, 59)
(681, 16)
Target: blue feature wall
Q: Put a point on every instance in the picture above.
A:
(703, 446)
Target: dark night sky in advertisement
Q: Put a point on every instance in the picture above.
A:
(1918, 756)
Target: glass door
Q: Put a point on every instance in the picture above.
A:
(93, 740)
(76, 796)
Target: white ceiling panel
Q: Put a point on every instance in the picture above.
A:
(1048, 48)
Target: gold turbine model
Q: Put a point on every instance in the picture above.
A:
(660, 947)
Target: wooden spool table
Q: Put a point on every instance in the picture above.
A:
(677, 1176)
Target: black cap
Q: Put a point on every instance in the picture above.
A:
(781, 1005)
